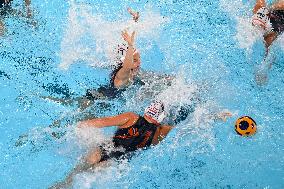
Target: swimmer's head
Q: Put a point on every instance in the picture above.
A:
(261, 20)
(155, 112)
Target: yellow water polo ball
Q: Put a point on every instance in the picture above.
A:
(245, 126)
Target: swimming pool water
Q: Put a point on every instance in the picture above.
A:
(206, 43)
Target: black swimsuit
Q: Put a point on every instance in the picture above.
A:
(277, 20)
(139, 135)
(110, 91)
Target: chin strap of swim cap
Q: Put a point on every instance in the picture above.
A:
(156, 111)
(262, 20)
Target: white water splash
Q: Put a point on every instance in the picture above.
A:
(246, 34)
(198, 130)
(179, 93)
(235, 7)
(91, 39)
(109, 176)
(88, 137)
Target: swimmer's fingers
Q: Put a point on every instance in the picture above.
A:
(135, 15)
(124, 35)
(129, 39)
(224, 115)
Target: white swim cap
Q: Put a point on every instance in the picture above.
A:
(156, 111)
(261, 19)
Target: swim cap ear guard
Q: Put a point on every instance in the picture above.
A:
(261, 19)
(156, 111)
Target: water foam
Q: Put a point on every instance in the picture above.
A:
(91, 39)
(246, 34)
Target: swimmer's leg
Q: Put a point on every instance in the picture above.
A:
(2, 28)
(64, 101)
(262, 71)
(92, 160)
(91, 95)
(83, 102)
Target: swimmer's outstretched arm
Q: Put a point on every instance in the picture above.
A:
(127, 64)
(258, 5)
(123, 120)
(128, 61)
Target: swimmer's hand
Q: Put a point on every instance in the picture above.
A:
(224, 115)
(129, 39)
(135, 15)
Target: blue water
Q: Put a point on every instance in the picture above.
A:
(197, 42)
